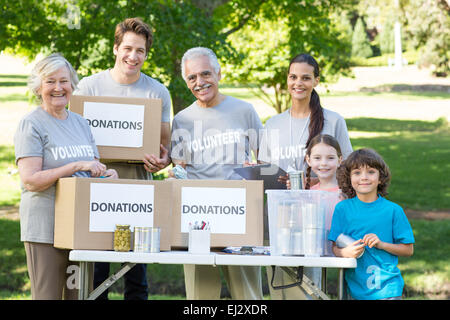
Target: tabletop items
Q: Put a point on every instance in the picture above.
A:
(299, 221)
(146, 239)
(199, 238)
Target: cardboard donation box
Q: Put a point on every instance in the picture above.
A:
(87, 210)
(233, 209)
(123, 128)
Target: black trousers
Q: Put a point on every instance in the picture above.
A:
(136, 287)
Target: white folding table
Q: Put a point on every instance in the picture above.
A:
(86, 257)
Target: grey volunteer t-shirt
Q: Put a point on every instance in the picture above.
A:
(284, 139)
(57, 142)
(102, 84)
(213, 141)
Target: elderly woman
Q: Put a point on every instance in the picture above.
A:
(51, 143)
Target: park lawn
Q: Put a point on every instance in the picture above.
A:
(426, 273)
(417, 157)
(414, 150)
(9, 178)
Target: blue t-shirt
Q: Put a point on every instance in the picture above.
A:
(376, 275)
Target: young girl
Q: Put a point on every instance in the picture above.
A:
(381, 227)
(323, 157)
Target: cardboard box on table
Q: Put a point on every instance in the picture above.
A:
(233, 208)
(81, 206)
(123, 128)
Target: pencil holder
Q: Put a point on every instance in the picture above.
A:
(199, 241)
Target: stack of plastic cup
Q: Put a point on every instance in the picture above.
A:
(289, 236)
(313, 216)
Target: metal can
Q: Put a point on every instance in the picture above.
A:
(155, 236)
(141, 239)
(122, 238)
(344, 240)
(296, 179)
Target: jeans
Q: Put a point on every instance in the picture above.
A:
(136, 287)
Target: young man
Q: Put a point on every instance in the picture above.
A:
(211, 116)
(132, 41)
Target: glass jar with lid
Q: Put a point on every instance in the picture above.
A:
(122, 238)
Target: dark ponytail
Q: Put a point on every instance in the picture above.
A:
(316, 121)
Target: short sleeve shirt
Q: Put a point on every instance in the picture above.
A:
(284, 139)
(376, 275)
(213, 141)
(57, 142)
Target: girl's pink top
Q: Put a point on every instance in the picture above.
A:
(317, 187)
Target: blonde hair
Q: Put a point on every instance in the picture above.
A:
(46, 67)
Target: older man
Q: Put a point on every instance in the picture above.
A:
(209, 138)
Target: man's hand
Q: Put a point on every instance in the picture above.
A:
(153, 163)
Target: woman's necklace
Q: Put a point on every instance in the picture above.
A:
(301, 136)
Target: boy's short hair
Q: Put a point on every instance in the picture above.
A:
(137, 26)
(358, 159)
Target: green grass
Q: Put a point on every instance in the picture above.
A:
(418, 158)
(386, 91)
(13, 267)
(9, 178)
(389, 92)
(414, 150)
(428, 270)
(382, 61)
(425, 273)
(417, 153)
(13, 97)
(11, 80)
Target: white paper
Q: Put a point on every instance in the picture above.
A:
(115, 125)
(224, 208)
(112, 204)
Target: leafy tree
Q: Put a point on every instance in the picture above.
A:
(360, 43)
(83, 32)
(32, 26)
(283, 31)
(428, 26)
(387, 37)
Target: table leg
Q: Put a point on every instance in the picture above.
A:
(83, 290)
(324, 280)
(341, 284)
(110, 281)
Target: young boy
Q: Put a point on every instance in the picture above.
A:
(381, 227)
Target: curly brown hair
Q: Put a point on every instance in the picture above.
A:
(364, 157)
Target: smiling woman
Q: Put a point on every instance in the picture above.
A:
(55, 93)
(42, 141)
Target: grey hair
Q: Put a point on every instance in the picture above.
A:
(199, 52)
(47, 67)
